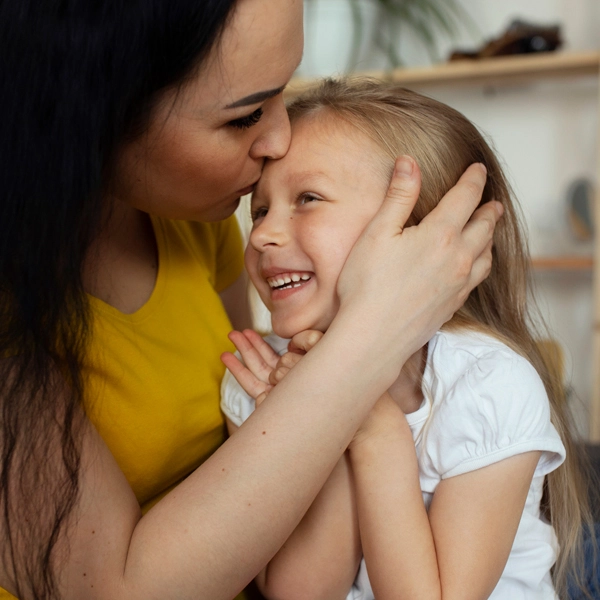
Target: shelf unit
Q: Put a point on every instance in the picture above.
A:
(514, 70)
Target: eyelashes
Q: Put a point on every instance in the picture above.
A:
(302, 199)
(247, 121)
(258, 213)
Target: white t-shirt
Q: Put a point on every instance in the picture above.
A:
(483, 403)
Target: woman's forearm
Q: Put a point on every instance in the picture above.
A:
(214, 533)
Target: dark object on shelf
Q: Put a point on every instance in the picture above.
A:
(519, 38)
(580, 205)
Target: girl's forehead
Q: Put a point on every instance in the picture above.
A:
(327, 134)
(326, 155)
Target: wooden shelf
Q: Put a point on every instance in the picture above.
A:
(563, 263)
(507, 69)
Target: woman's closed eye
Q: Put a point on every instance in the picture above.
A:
(247, 121)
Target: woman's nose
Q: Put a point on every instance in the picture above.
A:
(274, 140)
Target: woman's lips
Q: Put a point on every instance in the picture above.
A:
(247, 190)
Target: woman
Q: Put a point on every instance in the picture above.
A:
(131, 129)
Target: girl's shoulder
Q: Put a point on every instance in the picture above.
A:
(458, 353)
(487, 403)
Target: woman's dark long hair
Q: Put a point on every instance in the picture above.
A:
(78, 77)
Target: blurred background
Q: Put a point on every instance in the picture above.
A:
(539, 108)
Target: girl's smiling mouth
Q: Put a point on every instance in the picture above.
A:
(288, 280)
(286, 284)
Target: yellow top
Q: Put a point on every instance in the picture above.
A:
(154, 380)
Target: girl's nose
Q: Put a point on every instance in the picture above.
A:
(274, 141)
(271, 231)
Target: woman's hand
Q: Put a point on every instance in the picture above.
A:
(408, 282)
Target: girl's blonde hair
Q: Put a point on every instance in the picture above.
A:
(444, 143)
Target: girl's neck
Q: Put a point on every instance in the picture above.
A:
(406, 391)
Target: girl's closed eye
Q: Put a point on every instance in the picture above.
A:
(247, 121)
(258, 213)
(308, 197)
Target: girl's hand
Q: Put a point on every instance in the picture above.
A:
(299, 345)
(403, 284)
(262, 368)
(259, 360)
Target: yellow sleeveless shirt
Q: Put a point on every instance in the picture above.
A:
(153, 378)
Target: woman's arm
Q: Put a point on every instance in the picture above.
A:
(212, 534)
(460, 549)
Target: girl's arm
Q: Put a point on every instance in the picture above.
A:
(460, 549)
(213, 533)
(319, 561)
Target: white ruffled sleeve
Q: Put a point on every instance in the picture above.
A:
(496, 409)
(236, 404)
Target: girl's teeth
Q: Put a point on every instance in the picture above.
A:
(288, 281)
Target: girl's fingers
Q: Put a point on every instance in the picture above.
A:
(266, 352)
(261, 397)
(286, 362)
(304, 341)
(253, 386)
(252, 358)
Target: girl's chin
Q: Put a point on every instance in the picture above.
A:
(289, 330)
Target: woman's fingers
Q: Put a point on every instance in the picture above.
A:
(479, 231)
(481, 266)
(457, 206)
(253, 386)
(401, 196)
(435, 264)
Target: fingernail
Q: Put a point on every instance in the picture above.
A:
(499, 208)
(405, 166)
(484, 168)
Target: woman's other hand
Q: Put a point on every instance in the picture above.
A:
(409, 282)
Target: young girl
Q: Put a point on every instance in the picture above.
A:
(461, 483)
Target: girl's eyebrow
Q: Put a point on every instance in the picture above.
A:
(256, 98)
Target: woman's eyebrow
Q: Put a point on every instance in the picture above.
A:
(256, 98)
